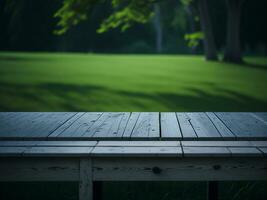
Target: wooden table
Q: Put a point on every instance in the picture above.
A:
(88, 147)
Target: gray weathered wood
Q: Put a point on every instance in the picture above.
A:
(244, 124)
(81, 126)
(203, 126)
(220, 126)
(217, 143)
(113, 126)
(263, 150)
(128, 151)
(39, 169)
(206, 152)
(147, 126)
(32, 124)
(12, 151)
(66, 143)
(58, 151)
(186, 127)
(245, 151)
(180, 169)
(140, 143)
(86, 180)
(131, 124)
(169, 126)
(18, 143)
(66, 125)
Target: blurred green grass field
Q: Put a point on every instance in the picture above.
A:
(93, 82)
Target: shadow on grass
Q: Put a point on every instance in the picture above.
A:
(255, 66)
(69, 97)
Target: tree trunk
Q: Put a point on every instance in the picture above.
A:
(158, 28)
(233, 47)
(206, 26)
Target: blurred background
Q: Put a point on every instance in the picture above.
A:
(133, 55)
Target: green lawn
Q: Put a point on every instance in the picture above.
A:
(88, 82)
(92, 82)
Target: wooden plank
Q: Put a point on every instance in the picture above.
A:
(18, 143)
(262, 116)
(123, 123)
(113, 126)
(244, 151)
(86, 180)
(147, 126)
(220, 126)
(66, 143)
(263, 150)
(217, 143)
(139, 143)
(66, 125)
(185, 125)
(32, 124)
(259, 143)
(127, 151)
(47, 143)
(39, 169)
(12, 151)
(169, 125)
(180, 169)
(131, 124)
(58, 151)
(206, 152)
(244, 125)
(203, 126)
(80, 126)
(97, 125)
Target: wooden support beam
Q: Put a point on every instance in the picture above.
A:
(86, 179)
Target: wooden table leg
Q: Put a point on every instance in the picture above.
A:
(86, 179)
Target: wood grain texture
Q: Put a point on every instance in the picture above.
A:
(217, 143)
(31, 124)
(86, 179)
(245, 151)
(169, 125)
(147, 126)
(180, 169)
(244, 124)
(39, 169)
(129, 151)
(206, 152)
(58, 151)
(113, 126)
(220, 126)
(140, 143)
(203, 126)
(81, 126)
(186, 126)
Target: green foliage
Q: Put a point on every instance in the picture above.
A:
(71, 13)
(125, 14)
(136, 11)
(194, 38)
(186, 2)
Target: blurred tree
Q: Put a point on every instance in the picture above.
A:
(127, 12)
(158, 27)
(233, 43)
(206, 26)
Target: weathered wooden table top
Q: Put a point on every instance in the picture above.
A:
(136, 133)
